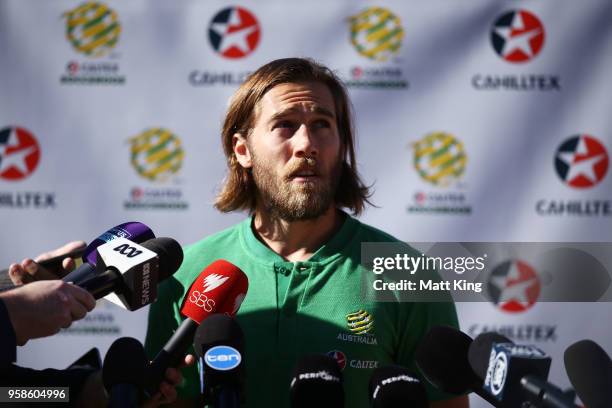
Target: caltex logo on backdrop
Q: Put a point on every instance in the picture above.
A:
(19, 153)
(581, 162)
(518, 36)
(157, 155)
(93, 29)
(234, 32)
(440, 160)
(376, 34)
(514, 286)
(19, 158)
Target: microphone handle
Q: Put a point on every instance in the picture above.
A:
(102, 284)
(81, 274)
(547, 394)
(226, 397)
(171, 355)
(124, 396)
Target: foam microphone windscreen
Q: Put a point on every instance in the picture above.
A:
(170, 255)
(442, 357)
(316, 382)
(589, 369)
(480, 351)
(218, 329)
(395, 386)
(220, 288)
(124, 363)
(133, 230)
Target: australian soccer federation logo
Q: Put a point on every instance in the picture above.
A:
(19, 153)
(376, 33)
(360, 322)
(234, 32)
(156, 154)
(581, 161)
(92, 28)
(440, 158)
(514, 286)
(517, 36)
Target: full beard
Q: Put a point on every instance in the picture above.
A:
(292, 201)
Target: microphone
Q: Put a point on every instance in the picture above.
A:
(395, 386)
(219, 343)
(516, 374)
(133, 230)
(123, 372)
(316, 382)
(442, 357)
(220, 288)
(128, 273)
(480, 350)
(589, 369)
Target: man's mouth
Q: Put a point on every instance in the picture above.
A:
(305, 175)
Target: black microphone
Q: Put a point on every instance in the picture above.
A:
(316, 382)
(123, 372)
(442, 357)
(129, 272)
(480, 350)
(219, 342)
(589, 369)
(395, 386)
(515, 375)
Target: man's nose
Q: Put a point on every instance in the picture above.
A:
(305, 143)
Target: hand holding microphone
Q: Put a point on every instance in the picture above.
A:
(58, 263)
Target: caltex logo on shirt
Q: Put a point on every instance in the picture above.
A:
(376, 33)
(92, 28)
(19, 153)
(581, 161)
(517, 36)
(439, 158)
(234, 32)
(156, 154)
(514, 286)
(339, 356)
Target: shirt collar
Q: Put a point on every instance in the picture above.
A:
(327, 252)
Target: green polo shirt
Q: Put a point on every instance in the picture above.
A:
(294, 308)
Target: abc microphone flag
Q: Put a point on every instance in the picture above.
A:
(220, 288)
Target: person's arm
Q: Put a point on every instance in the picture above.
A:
(40, 309)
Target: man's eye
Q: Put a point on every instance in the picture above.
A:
(321, 124)
(284, 124)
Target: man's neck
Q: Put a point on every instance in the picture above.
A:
(297, 240)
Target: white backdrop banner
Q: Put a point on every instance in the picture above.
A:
(479, 121)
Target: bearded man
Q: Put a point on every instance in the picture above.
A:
(288, 140)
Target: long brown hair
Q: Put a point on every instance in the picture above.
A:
(239, 191)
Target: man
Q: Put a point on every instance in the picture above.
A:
(288, 141)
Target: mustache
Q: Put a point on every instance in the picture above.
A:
(302, 164)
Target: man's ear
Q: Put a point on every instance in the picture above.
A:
(241, 150)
